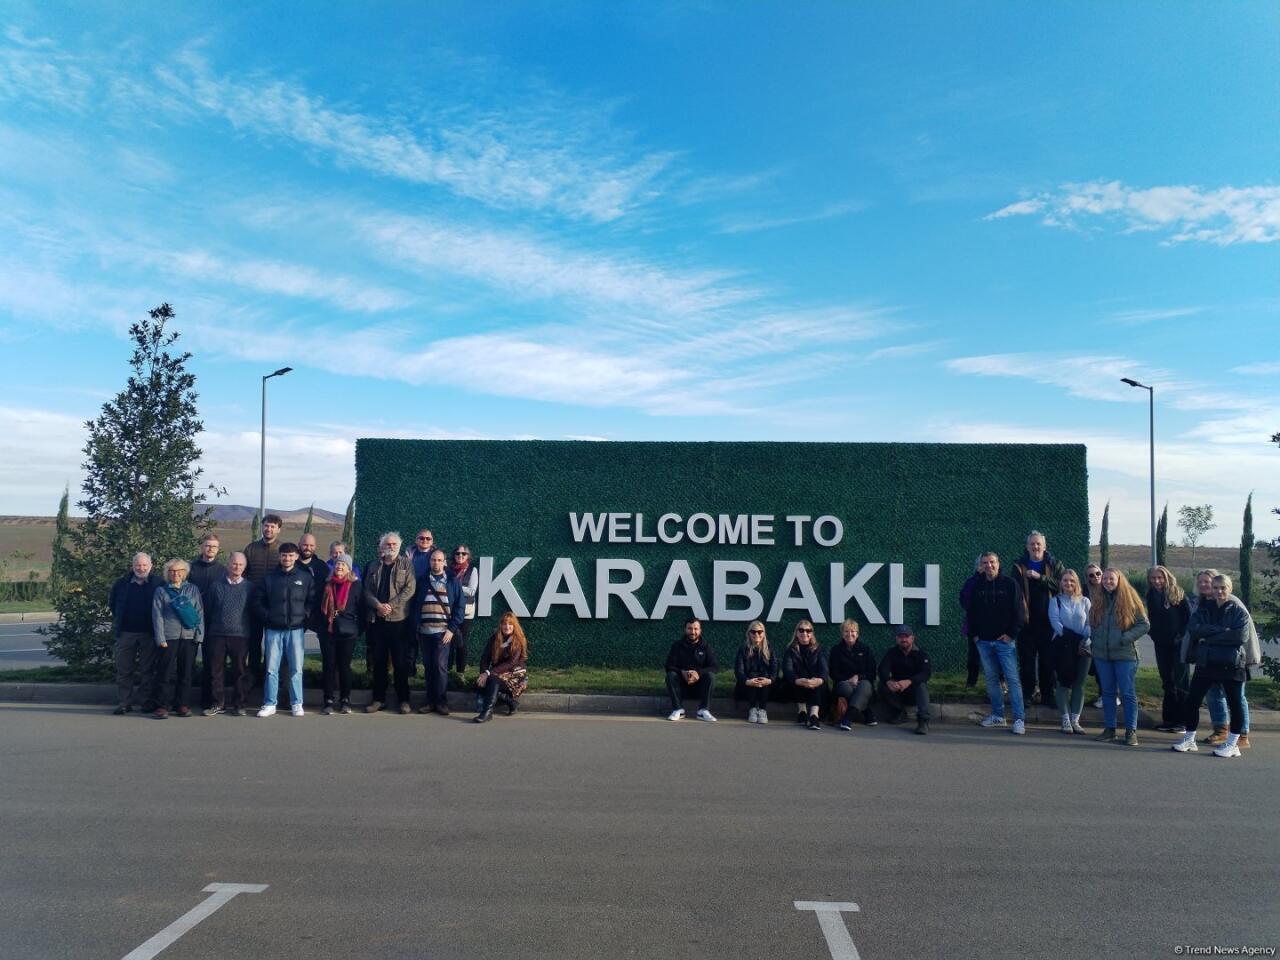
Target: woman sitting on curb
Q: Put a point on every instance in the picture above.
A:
(502, 667)
(853, 669)
(805, 669)
(755, 669)
(1118, 621)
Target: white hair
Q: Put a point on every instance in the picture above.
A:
(390, 535)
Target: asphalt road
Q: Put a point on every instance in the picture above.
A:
(586, 837)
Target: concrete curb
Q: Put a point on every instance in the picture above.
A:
(34, 616)
(104, 694)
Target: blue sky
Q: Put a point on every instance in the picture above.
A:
(693, 221)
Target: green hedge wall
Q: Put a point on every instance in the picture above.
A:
(900, 503)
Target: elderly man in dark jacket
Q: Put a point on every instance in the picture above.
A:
(230, 604)
(130, 602)
(389, 586)
(1038, 573)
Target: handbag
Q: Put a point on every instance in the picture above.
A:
(182, 606)
(1219, 657)
(1065, 651)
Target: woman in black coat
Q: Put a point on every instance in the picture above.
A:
(339, 630)
(804, 667)
(1169, 612)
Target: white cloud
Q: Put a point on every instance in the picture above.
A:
(1150, 315)
(1223, 216)
(759, 223)
(1266, 369)
(1186, 472)
(1091, 377)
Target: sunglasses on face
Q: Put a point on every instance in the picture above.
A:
(803, 630)
(460, 553)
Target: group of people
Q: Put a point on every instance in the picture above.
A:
(252, 613)
(842, 680)
(1038, 624)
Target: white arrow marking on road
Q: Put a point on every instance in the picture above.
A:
(838, 940)
(222, 894)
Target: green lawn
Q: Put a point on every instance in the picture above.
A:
(943, 688)
(25, 606)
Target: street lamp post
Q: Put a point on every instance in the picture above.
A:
(262, 473)
(1151, 418)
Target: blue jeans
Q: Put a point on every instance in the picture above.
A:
(999, 657)
(1122, 674)
(290, 643)
(1218, 712)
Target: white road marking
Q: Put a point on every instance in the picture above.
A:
(222, 894)
(838, 940)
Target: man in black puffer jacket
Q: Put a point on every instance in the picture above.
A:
(285, 603)
(691, 668)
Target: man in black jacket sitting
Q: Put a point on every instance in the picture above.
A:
(691, 668)
(904, 678)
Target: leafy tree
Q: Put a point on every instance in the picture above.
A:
(1104, 541)
(1246, 555)
(311, 516)
(139, 491)
(1162, 537)
(1195, 523)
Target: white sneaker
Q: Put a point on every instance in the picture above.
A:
(1019, 729)
(1226, 750)
(1186, 746)
(762, 717)
(706, 715)
(1066, 723)
(298, 711)
(676, 714)
(267, 712)
(752, 715)
(1097, 704)
(991, 720)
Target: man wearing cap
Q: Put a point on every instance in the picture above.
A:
(904, 678)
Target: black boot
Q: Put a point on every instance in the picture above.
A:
(922, 727)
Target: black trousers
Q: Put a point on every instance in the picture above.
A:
(1175, 677)
(1033, 646)
(1200, 684)
(677, 689)
(216, 650)
(254, 656)
(808, 696)
(916, 695)
(335, 657)
(973, 664)
(858, 696)
(435, 666)
(757, 697)
(388, 641)
(173, 674)
(459, 644)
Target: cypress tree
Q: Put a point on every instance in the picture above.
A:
(1246, 553)
(255, 528)
(349, 526)
(311, 516)
(1162, 537)
(1104, 541)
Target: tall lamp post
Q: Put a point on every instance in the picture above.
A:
(1151, 414)
(262, 473)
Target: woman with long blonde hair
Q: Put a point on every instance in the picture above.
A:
(755, 668)
(1069, 618)
(1170, 612)
(1117, 622)
(502, 667)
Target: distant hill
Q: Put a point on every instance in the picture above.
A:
(236, 513)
